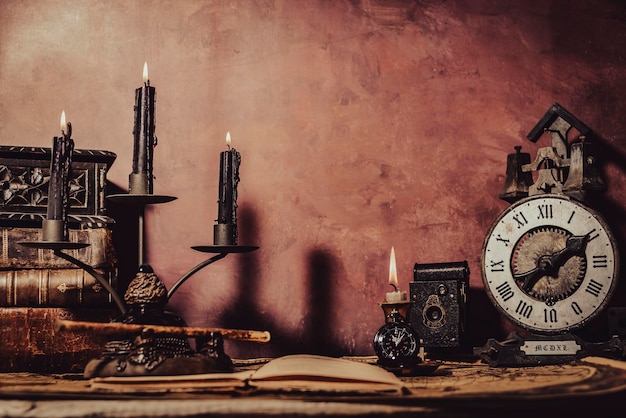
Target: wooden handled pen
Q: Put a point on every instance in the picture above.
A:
(114, 328)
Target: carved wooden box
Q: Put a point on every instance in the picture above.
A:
(24, 176)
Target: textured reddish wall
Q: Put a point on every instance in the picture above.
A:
(362, 125)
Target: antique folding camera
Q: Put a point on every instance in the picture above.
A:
(438, 309)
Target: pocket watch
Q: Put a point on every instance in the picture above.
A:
(549, 263)
(396, 343)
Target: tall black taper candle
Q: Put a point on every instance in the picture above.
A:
(55, 226)
(225, 232)
(140, 180)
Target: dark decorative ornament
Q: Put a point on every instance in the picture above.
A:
(150, 354)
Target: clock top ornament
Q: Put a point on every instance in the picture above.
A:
(549, 263)
(569, 169)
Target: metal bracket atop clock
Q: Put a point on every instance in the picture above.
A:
(538, 350)
(558, 122)
(571, 169)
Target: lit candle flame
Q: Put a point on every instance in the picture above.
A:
(145, 72)
(228, 139)
(63, 122)
(393, 275)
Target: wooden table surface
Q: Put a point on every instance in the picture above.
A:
(594, 386)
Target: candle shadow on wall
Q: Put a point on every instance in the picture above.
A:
(244, 312)
(314, 335)
(125, 232)
(320, 308)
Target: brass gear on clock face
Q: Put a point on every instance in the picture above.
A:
(545, 241)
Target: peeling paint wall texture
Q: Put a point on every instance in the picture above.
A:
(362, 125)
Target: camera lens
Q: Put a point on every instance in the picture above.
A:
(434, 313)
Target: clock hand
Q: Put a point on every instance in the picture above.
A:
(550, 264)
(530, 277)
(575, 245)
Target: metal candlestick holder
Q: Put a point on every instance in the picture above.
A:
(210, 356)
(140, 184)
(149, 352)
(389, 308)
(53, 230)
(223, 234)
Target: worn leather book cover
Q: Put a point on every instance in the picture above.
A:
(99, 253)
(54, 288)
(29, 342)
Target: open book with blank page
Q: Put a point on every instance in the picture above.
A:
(292, 373)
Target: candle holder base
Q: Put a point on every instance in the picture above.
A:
(228, 249)
(54, 230)
(150, 353)
(140, 199)
(139, 183)
(390, 308)
(225, 234)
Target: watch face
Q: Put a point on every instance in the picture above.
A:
(549, 263)
(396, 342)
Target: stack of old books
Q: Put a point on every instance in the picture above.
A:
(36, 287)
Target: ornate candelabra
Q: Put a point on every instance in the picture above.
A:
(152, 340)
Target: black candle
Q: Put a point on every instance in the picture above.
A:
(143, 132)
(229, 178)
(59, 184)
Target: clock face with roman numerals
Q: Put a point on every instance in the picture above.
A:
(549, 263)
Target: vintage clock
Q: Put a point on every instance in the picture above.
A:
(549, 263)
(396, 343)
